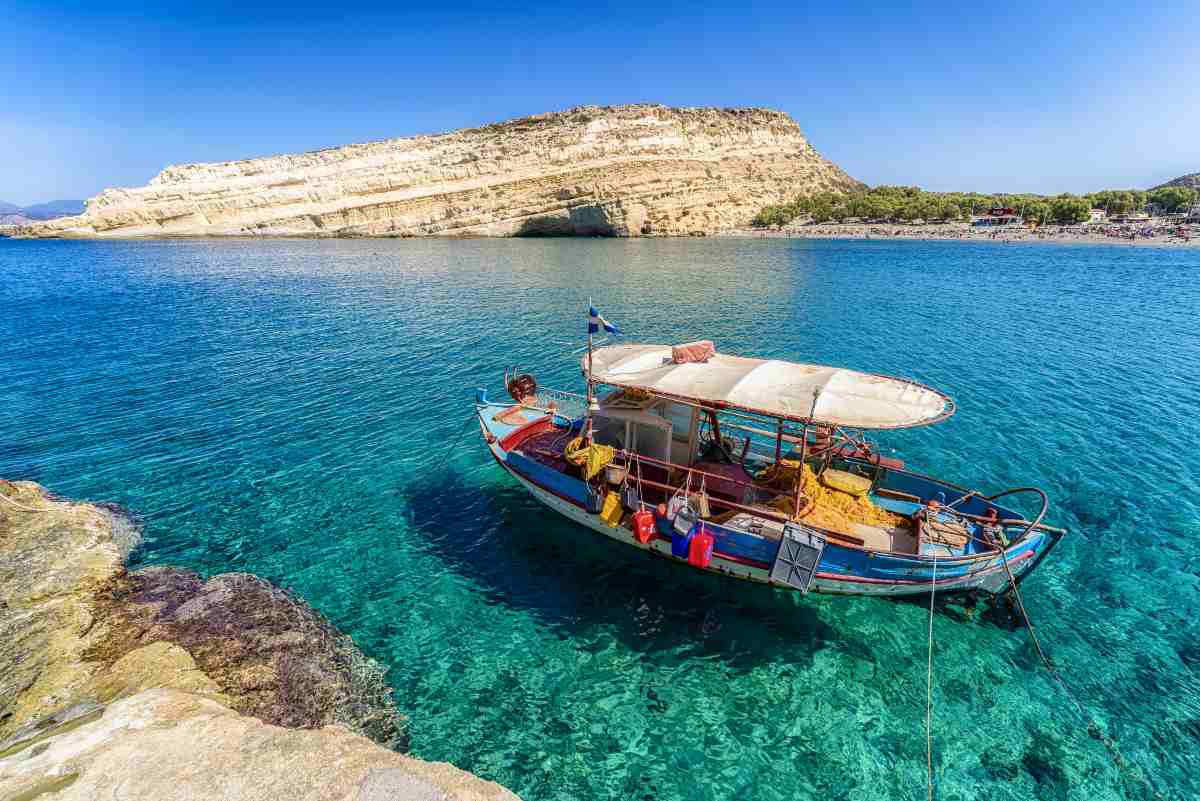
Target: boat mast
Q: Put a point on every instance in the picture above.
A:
(804, 455)
(591, 391)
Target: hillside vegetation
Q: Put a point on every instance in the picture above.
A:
(908, 203)
(1191, 180)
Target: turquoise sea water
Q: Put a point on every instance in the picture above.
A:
(281, 407)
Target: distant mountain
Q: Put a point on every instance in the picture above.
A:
(1192, 181)
(12, 214)
(55, 208)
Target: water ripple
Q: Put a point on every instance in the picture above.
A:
(277, 407)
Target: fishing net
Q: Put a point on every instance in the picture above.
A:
(829, 508)
(592, 458)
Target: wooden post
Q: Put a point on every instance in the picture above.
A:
(779, 442)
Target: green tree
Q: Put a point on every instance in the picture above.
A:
(1066, 209)
(821, 208)
(1173, 198)
(905, 203)
(1037, 211)
(1118, 201)
(949, 211)
(770, 217)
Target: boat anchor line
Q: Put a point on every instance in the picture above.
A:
(1014, 591)
(454, 443)
(1093, 728)
(929, 684)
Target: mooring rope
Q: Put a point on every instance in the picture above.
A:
(929, 684)
(454, 444)
(1114, 751)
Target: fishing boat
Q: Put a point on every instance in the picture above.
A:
(760, 470)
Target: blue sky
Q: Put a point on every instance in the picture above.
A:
(966, 96)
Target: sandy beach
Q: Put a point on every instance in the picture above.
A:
(1098, 235)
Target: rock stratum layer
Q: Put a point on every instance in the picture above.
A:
(616, 171)
(158, 685)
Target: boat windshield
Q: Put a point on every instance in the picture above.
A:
(633, 430)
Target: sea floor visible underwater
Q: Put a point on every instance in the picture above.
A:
(291, 408)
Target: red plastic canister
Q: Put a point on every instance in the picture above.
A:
(701, 549)
(643, 525)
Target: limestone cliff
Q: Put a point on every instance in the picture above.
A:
(167, 686)
(623, 171)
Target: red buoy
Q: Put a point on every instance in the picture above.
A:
(643, 526)
(700, 550)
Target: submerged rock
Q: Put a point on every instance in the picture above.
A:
(103, 672)
(269, 653)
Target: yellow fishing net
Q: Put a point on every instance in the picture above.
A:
(829, 508)
(592, 458)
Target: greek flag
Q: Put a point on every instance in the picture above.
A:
(596, 322)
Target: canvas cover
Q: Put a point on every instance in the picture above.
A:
(700, 351)
(773, 388)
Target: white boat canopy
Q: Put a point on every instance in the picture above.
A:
(773, 388)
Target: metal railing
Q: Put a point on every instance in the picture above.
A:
(693, 480)
(567, 404)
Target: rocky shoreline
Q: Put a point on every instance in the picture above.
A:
(171, 686)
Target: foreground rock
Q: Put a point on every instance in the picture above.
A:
(163, 744)
(105, 673)
(617, 171)
(166, 744)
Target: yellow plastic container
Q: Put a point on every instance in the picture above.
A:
(610, 510)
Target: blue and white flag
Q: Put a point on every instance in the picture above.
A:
(596, 322)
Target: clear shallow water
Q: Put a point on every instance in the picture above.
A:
(279, 408)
